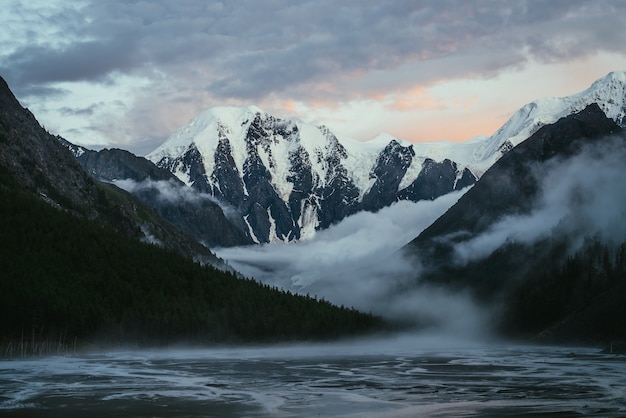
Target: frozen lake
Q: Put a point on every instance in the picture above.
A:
(397, 377)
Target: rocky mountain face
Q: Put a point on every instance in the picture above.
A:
(34, 161)
(530, 239)
(287, 179)
(195, 213)
(114, 164)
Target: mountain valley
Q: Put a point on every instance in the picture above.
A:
(525, 240)
(86, 264)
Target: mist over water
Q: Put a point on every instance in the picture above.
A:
(394, 377)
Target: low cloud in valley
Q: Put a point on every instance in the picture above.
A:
(357, 263)
(582, 196)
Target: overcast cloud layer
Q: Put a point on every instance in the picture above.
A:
(131, 72)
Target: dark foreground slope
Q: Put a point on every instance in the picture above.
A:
(66, 280)
(41, 165)
(530, 240)
(511, 185)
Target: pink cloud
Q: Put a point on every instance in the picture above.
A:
(415, 98)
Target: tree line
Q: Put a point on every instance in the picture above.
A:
(65, 278)
(583, 296)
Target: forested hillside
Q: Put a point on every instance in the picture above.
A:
(66, 280)
(584, 296)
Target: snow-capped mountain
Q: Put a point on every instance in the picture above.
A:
(480, 153)
(288, 178)
(608, 92)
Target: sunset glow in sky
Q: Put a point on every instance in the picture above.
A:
(129, 73)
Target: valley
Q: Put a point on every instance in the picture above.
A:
(386, 227)
(290, 209)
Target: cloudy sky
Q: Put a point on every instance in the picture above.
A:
(128, 73)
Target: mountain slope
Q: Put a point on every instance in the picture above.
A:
(510, 185)
(555, 196)
(68, 283)
(195, 213)
(287, 179)
(36, 162)
(608, 92)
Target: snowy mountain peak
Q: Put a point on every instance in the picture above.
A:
(609, 92)
(226, 117)
(288, 178)
(385, 138)
(614, 77)
(230, 115)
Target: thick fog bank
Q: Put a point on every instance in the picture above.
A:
(356, 263)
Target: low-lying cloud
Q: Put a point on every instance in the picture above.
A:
(357, 263)
(168, 190)
(172, 192)
(582, 196)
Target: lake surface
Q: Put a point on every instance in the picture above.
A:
(395, 378)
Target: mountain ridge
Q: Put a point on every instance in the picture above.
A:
(288, 178)
(284, 176)
(529, 236)
(609, 92)
(542, 145)
(196, 214)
